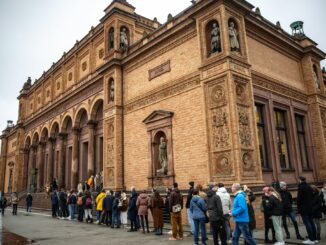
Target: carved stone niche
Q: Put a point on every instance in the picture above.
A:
(161, 167)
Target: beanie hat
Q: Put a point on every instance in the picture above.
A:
(282, 184)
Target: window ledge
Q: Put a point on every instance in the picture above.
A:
(267, 170)
(307, 170)
(288, 170)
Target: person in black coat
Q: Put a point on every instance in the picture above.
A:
(317, 203)
(216, 217)
(189, 215)
(29, 203)
(288, 211)
(55, 204)
(304, 202)
(63, 204)
(268, 223)
(3, 204)
(132, 211)
(106, 208)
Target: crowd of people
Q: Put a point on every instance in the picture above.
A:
(211, 206)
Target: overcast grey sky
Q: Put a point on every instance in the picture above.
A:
(35, 33)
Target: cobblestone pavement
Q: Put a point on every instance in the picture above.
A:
(41, 228)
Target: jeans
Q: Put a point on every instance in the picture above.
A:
(80, 213)
(277, 223)
(218, 227)
(318, 229)
(116, 220)
(310, 226)
(202, 224)
(29, 209)
(242, 228)
(227, 226)
(98, 216)
(14, 209)
(72, 208)
(268, 225)
(54, 210)
(176, 221)
(295, 224)
(190, 221)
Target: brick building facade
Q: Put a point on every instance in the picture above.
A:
(234, 97)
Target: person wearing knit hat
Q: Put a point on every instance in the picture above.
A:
(287, 202)
(189, 214)
(268, 223)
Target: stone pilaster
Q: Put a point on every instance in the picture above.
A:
(75, 158)
(49, 172)
(31, 164)
(61, 161)
(3, 162)
(91, 154)
(40, 165)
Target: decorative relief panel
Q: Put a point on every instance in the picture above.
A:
(222, 164)
(217, 95)
(220, 129)
(110, 145)
(244, 127)
(248, 163)
(323, 116)
(241, 90)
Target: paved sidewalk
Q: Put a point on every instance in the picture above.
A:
(41, 228)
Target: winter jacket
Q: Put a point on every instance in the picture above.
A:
(142, 204)
(252, 219)
(54, 198)
(275, 206)
(87, 205)
(190, 193)
(304, 199)
(198, 207)
(225, 199)
(132, 207)
(99, 201)
(62, 198)
(115, 205)
(14, 200)
(214, 206)
(286, 201)
(240, 208)
(265, 205)
(106, 203)
(317, 204)
(175, 198)
(29, 200)
(110, 203)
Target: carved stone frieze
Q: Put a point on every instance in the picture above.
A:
(247, 161)
(110, 176)
(244, 127)
(218, 95)
(110, 145)
(323, 116)
(220, 129)
(222, 164)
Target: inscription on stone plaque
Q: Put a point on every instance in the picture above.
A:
(159, 70)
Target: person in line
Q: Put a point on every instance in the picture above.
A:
(276, 208)
(3, 204)
(55, 204)
(175, 207)
(106, 207)
(189, 217)
(268, 222)
(250, 198)
(90, 183)
(323, 190)
(226, 204)
(72, 204)
(54, 185)
(216, 216)
(14, 202)
(287, 202)
(132, 211)
(80, 208)
(123, 208)
(142, 205)
(317, 204)
(99, 206)
(157, 204)
(88, 205)
(116, 222)
(304, 203)
(198, 210)
(80, 188)
(29, 203)
(63, 205)
(240, 216)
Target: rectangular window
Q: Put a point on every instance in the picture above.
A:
(302, 141)
(261, 135)
(282, 138)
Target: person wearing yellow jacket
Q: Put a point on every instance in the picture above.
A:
(99, 206)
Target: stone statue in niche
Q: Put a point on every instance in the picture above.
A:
(163, 157)
(111, 38)
(233, 33)
(215, 39)
(124, 39)
(111, 91)
(317, 82)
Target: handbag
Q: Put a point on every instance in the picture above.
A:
(205, 213)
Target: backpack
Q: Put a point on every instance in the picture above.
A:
(88, 201)
(80, 201)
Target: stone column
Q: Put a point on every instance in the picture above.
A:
(75, 158)
(61, 161)
(91, 142)
(49, 177)
(25, 170)
(40, 164)
(30, 164)
(3, 162)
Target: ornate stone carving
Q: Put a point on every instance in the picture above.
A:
(233, 33)
(244, 127)
(221, 135)
(124, 43)
(215, 38)
(110, 176)
(84, 66)
(222, 164)
(247, 161)
(218, 94)
(159, 70)
(323, 116)
(101, 53)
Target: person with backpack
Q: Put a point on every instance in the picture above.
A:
(29, 203)
(55, 204)
(142, 205)
(287, 202)
(123, 209)
(198, 210)
(80, 208)
(72, 204)
(99, 206)
(116, 219)
(157, 204)
(132, 211)
(63, 205)
(216, 216)
(268, 223)
(88, 205)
